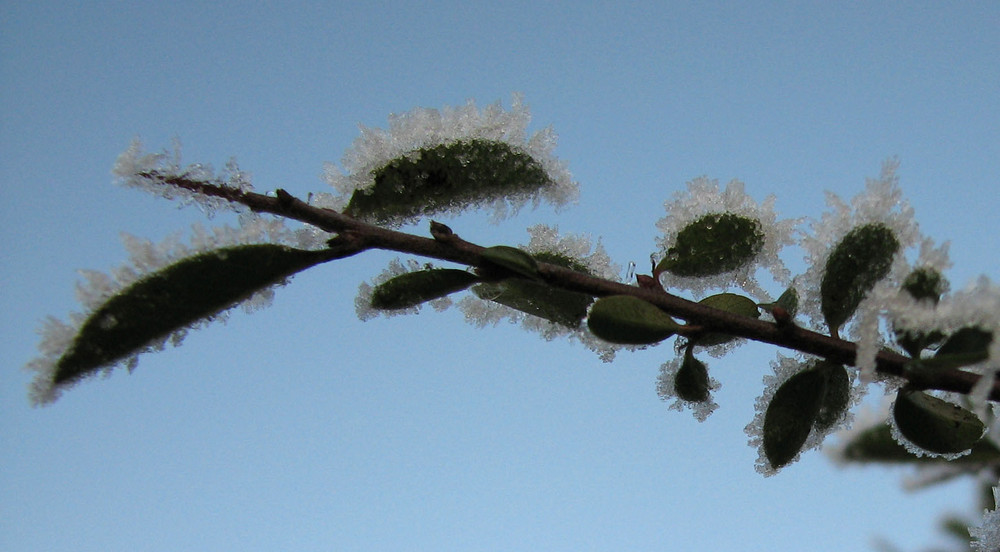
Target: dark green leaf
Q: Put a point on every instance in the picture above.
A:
(855, 265)
(691, 381)
(173, 298)
(413, 288)
(966, 341)
(876, 444)
(789, 301)
(446, 177)
(791, 415)
(537, 299)
(935, 425)
(513, 259)
(729, 302)
(837, 396)
(629, 320)
(713, 244)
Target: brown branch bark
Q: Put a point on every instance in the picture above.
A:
(447, 246)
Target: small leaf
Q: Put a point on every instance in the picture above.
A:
(713, 244)
(561, 306)
(630, 321)
(791, 415)
(969, 340)
(789, 300)
(691, 381)
(413, 288)
(923, 283)
(729, 302)
(855, 265)
(175, 297)
(513, 259)
(446, 176)
(934, 424)
(837, 396)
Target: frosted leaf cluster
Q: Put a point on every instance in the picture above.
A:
(666, 390)
(703, 197)
(545, 239)
(135, 167)
(424, 128)
(783, 369)
(146, 257)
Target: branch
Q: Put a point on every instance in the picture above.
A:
(447, 246)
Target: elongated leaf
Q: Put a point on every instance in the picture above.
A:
(512, 259)
(173, 298)
(413, 288)
(877, 445)
(713, 244)
(934, 424)
(629, 320)
(729, 302)
(537, 299)
(791, 414)
(446, 176)
(855, 265)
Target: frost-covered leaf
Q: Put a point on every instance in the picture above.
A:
(935, 425)
(876, 444)
(791, 415)
(862, 258)
(413, 288)
(729, 302)
(445, 177)
(173, 298)
(836, 397)
(629, 321)
(691, 381)
(921, 284)
(713, 244)
(513, 259)
(535, 298)
(789, 301)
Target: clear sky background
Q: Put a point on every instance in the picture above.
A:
(302, 428)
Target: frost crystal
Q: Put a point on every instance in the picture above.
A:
(145, 257)
(423, 129)
(665, 389)
(702, 198)
(986, 536)
(136, 168)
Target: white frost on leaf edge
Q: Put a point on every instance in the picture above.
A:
(423, 128)
(702, 198)
(146, 257)
(986, 535)
(665, 390)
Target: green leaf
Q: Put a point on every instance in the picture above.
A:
(876, 444)
(441, 178)
(413, 288)
(855, 265)
(691, 381)
(934, 424)
(791, 414)
(513, 259)
(175, 297)
(630, 321)
(969, 340)
(836, 397)
(561, 306)
(789, 300)
(923, 283)
(729, 302)
(713, 244)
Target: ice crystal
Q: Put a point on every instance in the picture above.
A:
(424, 129)
(666, 390)
(986, 536)
(145, 257)
(703, 198)
(783, 369)
(136, 168)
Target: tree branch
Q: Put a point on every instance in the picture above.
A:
(447, 246)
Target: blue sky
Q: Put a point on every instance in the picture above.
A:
(302, 428)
